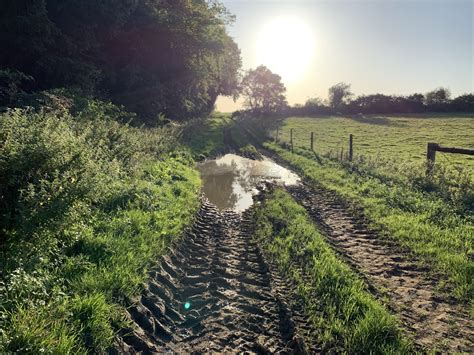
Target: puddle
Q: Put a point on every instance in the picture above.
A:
(230, 181)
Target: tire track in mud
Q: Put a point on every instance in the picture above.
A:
(236, 304)
(436, 323)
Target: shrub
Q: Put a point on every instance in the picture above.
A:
(87, 204)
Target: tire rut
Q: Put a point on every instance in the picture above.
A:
(236, 304)
(436, 322)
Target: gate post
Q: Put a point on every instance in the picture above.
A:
(430, 158)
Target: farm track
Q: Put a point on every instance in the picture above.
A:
(237, 304)
(436, 323)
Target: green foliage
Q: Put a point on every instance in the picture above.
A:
(341, 309)
(153, 57)
(11, 85)
(92, 316)
(263, 91)
(438, 96)
(37, 330)
(66, 326)
(87, 204)
(339, 94)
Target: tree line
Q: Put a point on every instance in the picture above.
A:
(264, 94)
(167, 57)
(158, 58)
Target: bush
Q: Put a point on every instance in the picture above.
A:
(87, 203)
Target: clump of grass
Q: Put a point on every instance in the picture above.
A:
(250, 152)
(39, 330)
(342, 311)
(432, 229)
(64, 326)
(88, 204)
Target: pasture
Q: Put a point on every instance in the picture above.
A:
(396, 138)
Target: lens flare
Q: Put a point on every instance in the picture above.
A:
(187, 305)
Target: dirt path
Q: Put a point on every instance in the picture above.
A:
(235, 303)
(412, 295)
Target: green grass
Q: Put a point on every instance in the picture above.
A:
(434, 230)
(397, 138)
(345, 315)
(205, 137)
(432, 217)
(89, 205)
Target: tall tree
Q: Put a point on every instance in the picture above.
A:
(438, 96)
(463, 103)
(263, 90)
(173, 57)
(339, 94)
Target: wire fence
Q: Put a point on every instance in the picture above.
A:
(345, 150)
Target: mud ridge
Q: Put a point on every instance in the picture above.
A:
(435, 321)
(214, 293)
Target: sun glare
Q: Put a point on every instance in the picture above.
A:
(286, 46)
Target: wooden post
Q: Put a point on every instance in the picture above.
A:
(454, 150)
(312, 141)
(430, 158)
(276, 139)
(291, 139)
(431, 150)
(350, 147)
(342, 153)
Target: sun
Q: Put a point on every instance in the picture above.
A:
(286, 45)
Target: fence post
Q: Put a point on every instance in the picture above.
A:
(276, 139)
(291, 139)
(430, 158)
(351, 137)
(312, 141)
(342, 153)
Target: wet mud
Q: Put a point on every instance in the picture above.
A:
(435, 321)
(215, 293)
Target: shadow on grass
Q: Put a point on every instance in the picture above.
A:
(378, 120)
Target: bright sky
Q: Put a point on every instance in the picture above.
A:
(378, 46)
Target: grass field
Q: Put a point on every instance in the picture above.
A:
(430, 216)
(400, 139)
(345, 315)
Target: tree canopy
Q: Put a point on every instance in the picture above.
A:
(169, 56)
(263, 90)
(339, 94)
(434, 101)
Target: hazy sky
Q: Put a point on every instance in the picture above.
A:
(378, 46)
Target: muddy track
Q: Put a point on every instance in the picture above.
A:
(236, 303)
(437, 323)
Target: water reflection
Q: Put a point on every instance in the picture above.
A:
(230, 181)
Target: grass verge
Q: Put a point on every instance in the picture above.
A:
(88, 204)
(422, 222)
(345, 315)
